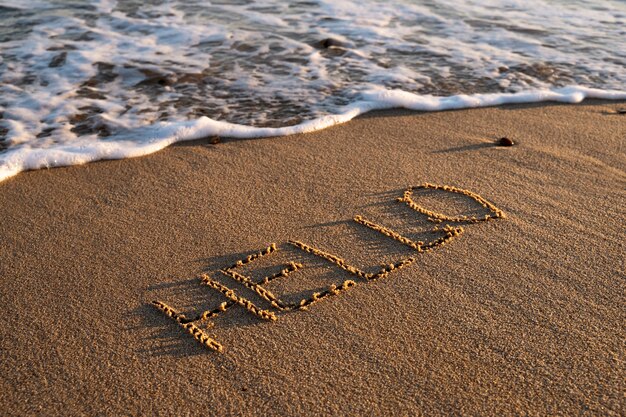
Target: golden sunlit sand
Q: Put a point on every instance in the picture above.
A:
(522, 314)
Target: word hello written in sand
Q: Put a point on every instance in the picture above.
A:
(449, 233)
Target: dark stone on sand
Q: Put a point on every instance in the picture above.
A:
(328, 42)
(162, 81)
(505, 142)
(214, 140)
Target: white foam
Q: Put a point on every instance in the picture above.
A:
(161, 135)
(263, 64)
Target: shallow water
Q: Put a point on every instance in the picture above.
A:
(89, 79)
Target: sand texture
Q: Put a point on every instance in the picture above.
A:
(522, 314)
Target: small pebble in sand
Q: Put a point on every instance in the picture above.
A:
(505, 142)
(214, 140)
(328, 42)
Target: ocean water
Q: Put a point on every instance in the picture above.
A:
(82, 80)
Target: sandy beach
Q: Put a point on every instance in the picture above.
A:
(522, 315)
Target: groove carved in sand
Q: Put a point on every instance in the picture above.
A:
(449, 234)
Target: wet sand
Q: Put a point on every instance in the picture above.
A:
(521, 315)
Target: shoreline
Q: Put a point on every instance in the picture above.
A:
(161, 135)
(519, 314)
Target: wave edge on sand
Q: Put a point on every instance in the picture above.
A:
(148, 140)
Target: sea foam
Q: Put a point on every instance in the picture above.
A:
(101, 79)
(163, 134)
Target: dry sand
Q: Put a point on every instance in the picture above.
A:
(523, 315)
